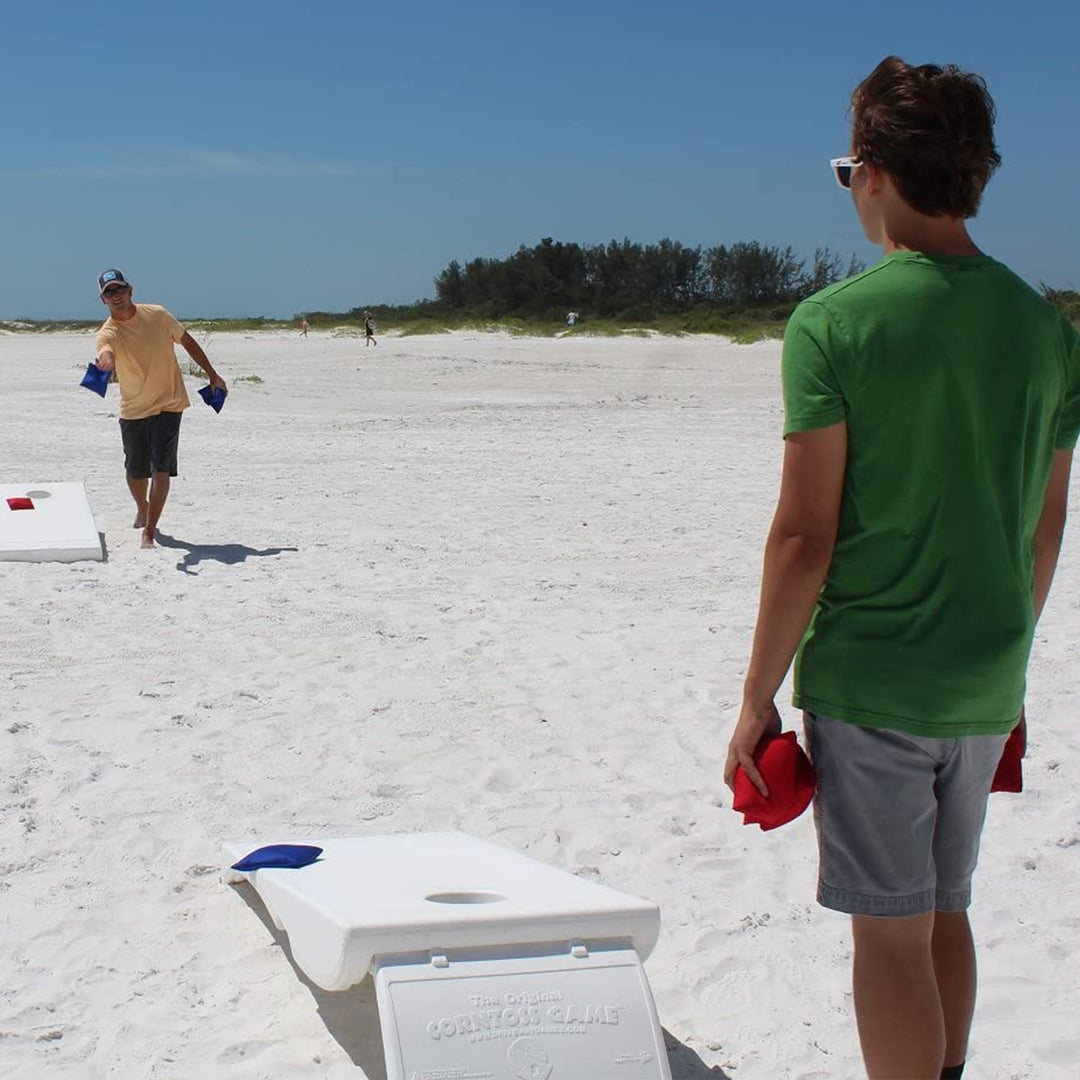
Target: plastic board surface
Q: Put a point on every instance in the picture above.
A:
(59, 528)
(383, 895)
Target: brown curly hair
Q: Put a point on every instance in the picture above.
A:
(931, 129)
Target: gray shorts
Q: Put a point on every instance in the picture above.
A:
(898, 816)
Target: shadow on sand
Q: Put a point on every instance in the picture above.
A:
(230, 554)
(352, 1016)
(686, 1064)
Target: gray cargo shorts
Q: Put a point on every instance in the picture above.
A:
(898, 816)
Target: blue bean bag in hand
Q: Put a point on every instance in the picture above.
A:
(95, 379)
(287, 856)
(214, 398)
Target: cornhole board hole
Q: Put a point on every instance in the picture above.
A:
(58, 528)
(487, 964)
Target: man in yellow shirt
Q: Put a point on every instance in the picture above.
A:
(137, 342)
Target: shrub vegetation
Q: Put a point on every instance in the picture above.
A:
(745, 291)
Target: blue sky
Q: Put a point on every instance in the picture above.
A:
(247, 158)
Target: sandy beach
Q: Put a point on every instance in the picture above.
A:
(478, 582)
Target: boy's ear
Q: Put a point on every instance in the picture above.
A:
(876, 178)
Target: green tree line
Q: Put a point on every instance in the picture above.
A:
(1065, 300)
(631, 281)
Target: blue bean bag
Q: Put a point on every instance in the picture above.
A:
(287, 856)
(214, 398)
(95, 379)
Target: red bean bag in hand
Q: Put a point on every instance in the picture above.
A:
(1010, 770)
(788, 775)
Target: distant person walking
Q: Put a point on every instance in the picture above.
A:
(571, 318)
(304, 327)
(137, 342)
(369, 330)
(932, 407)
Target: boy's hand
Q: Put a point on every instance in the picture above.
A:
(755, 722)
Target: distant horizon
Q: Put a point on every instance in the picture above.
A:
(1035, 283)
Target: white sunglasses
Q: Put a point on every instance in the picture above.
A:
(842, 168)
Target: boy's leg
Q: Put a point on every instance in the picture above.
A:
(875, 811)
(898, 820)
(963, 787)
(953, 950)
(897, 1007)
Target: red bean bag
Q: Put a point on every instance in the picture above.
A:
(1010, 770)
(789, 776)
(20, 504)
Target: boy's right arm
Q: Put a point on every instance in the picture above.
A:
(1047, 544)
(1051, 527)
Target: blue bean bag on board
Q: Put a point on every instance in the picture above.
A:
(286, 856)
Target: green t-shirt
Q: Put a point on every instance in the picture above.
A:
(957, 382)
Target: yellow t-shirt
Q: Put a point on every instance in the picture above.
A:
(146, 368)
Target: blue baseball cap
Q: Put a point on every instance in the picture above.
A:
(111, 277)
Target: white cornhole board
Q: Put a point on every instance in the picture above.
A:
(60, 528)
(487, 964)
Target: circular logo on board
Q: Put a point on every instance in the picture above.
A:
(529, 1060)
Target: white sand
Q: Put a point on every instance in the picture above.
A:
(475, 582)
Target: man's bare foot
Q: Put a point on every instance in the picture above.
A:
(147, 539)
(140, 520)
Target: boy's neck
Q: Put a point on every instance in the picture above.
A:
(930, 236)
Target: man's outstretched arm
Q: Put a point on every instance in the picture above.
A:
(797, 557)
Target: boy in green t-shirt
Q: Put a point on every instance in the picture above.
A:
(932, 406)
